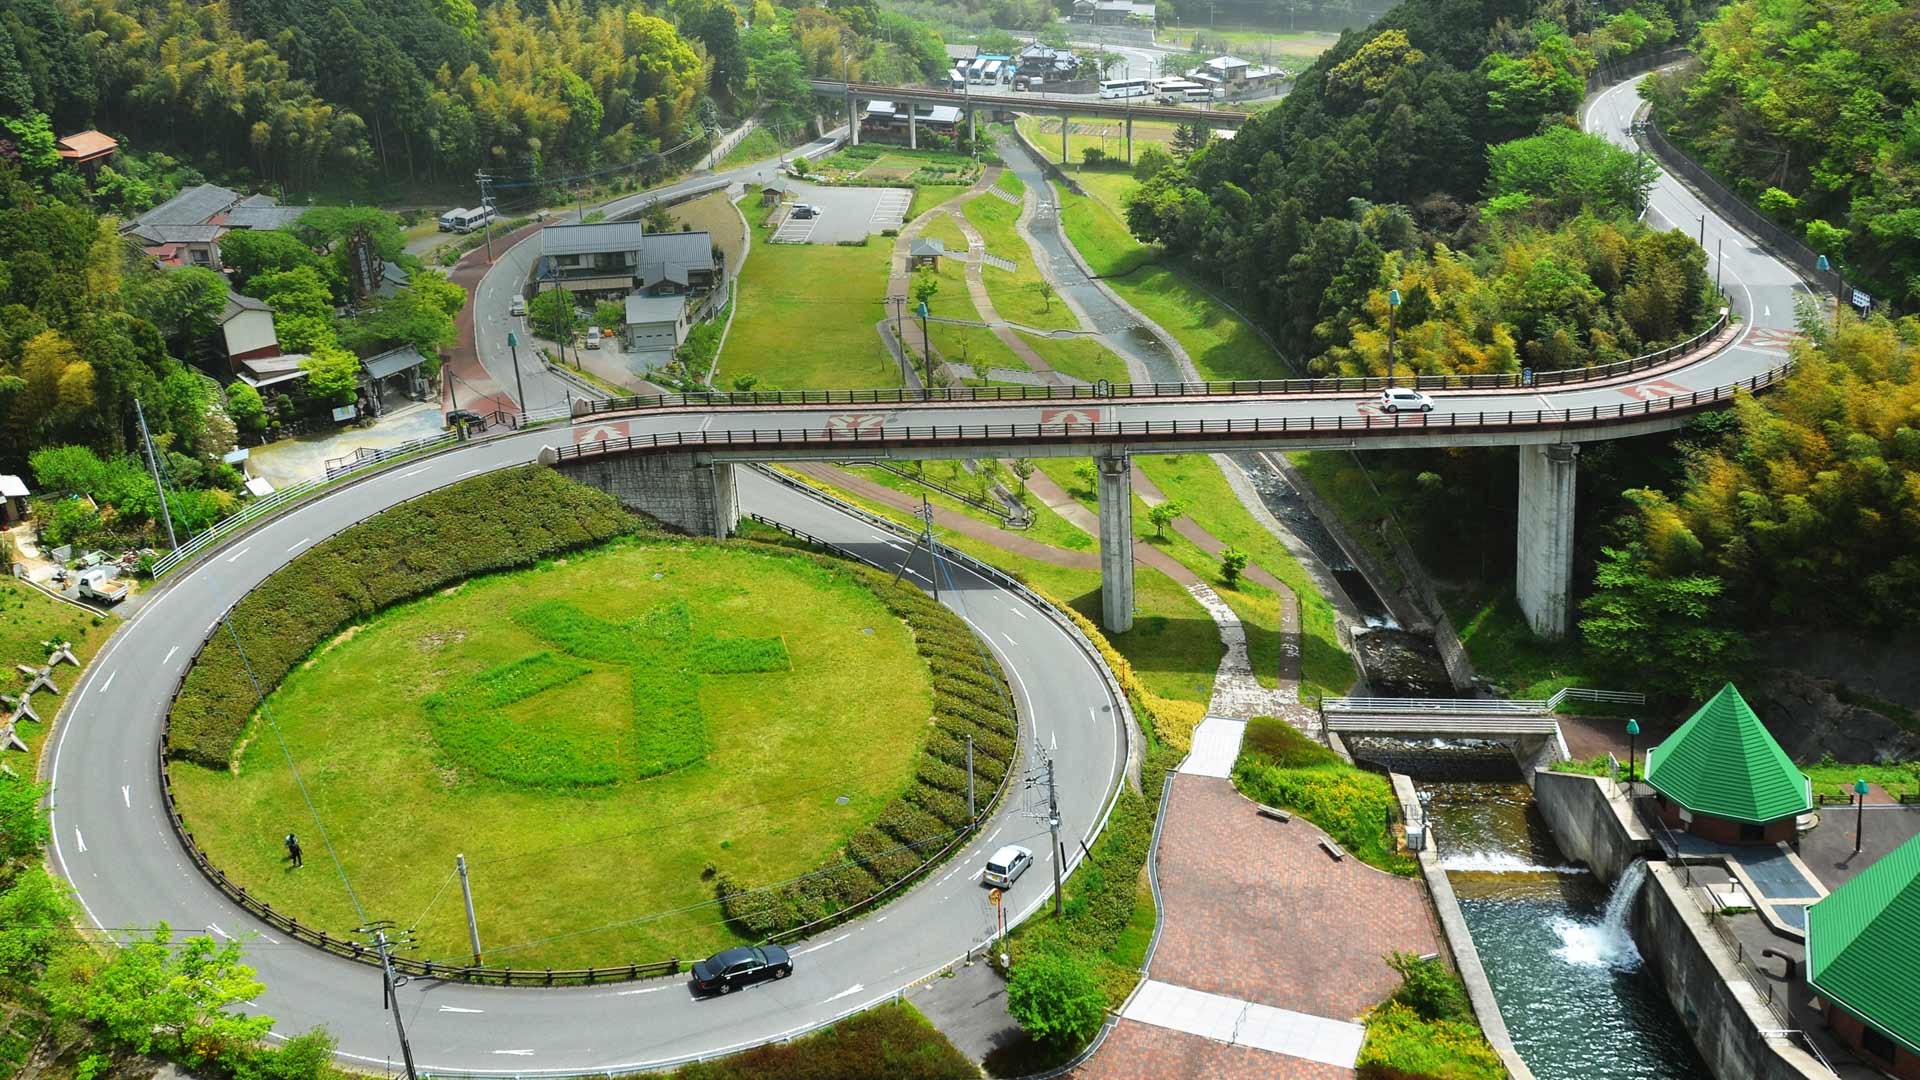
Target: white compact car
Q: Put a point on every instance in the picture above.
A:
(1006, 866)
(1400, 399)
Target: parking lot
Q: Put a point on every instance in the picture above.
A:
(846, 213)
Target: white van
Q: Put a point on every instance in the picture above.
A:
(593, 337)
(518, 306)
(1006, 866)
(465, 221)
(448, 219)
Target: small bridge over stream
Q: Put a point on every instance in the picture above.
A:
(1529, 725)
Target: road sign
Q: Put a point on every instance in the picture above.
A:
(856, 423)
(993, 897)
(1076, 415)
(1862, 300)
(604, 431)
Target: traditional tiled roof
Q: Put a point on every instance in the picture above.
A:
(604, 236)
(1723, 762)
(1863, 945)
(196, 205)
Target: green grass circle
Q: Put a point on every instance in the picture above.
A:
(600, 736)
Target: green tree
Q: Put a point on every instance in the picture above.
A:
(246, 408)
(1666, 630)
(1233, 563)
(609, 314)
(333, 374)
(36, 920)
(1572, 171)
(1162, 515)
(553, 315)
(185, 302)
(1150, 162)
(249, 252)
(925, 285)
(23, 823)
(1055, 997)
(153, 996)
(33, 141)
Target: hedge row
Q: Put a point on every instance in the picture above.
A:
(892, 1041)
(494, 522)
(970, 699)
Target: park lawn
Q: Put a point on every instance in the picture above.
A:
(1196, 482)
(1084, 358)
(943, 228)
(806, 316)
(1505, 650)
(1342, 484)
(1017, 296)
(1104, 134)
(27, 618)
(974, 345)
(1173, 646)
(1048, 527)
(1256, 43)
(759, 144)
(1900, 778)
(846, 720)
(1110, 186)
(1221, 344)
(928, 196)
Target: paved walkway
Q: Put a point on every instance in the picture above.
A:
(1139, 1051)
(1246, 1023)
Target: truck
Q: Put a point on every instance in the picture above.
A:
(100, 583)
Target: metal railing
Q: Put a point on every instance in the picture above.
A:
(1581, 693)
(1105, 390)
(365, 456)
(1202, 431)
(1007, 517)
(1429, 706)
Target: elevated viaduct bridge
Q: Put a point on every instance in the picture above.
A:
(857, 95)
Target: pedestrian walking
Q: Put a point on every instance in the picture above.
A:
(293, 850)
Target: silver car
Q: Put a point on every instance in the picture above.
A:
(1006, 865)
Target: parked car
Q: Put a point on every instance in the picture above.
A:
(725, 972)
(1401, 399)
(460, 417)
(1006, 865)
(593, 337)
(804, 212)
(519, 305)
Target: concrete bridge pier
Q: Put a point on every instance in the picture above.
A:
(1543, 567)
(1129, 138)
(853, 121)
(679, 490)
(913, 130)
(1116, 541)
(973, 136)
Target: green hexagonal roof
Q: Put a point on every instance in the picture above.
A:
(1863, 945)
(1724, 763)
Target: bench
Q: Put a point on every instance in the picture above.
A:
(1272, 812)
(1333, 849)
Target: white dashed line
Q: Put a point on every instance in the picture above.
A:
(235, 557)
(170, 653)
(79, 840)
(300, 543)
(126, 796)
(457, 1009)
(403, 476)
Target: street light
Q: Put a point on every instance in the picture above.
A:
(1859, 813)
(1393, 312)
(1633, 750)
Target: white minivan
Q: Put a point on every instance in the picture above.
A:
(518, 306)
(1006, 866)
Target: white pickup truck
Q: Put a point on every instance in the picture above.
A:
(101, 583)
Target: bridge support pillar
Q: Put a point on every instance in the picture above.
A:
(1066, 122)
(913, 129)
(1543, 566)
(681, 493)
(972, 135)
(853, 121)
(1129, 138)
(1116, 542)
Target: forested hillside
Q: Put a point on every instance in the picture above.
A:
(1436, 152)
(298, 93)
(1813, 113)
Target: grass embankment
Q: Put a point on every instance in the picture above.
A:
(1105, 134)
(1018, 295)
(759, 145)
(1280, 767)
(29, 617)
(1426, 1030)
(975, 345)
(1832, 778)
(891, 1040)
(522, 741)
(1220, 343)
(806, 316)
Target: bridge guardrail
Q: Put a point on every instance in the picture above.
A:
(1581, 693)
(1103, 391)
(1382, 706)
(1194, 430)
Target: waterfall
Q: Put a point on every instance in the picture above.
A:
(1605, 942)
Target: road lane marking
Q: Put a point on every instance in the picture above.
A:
(516, 1053)
(1010, 640)
(457, 1009)
(1017, 611)
(170, 653)
(236, 555)
(996, 833)
(105, 685)
(822, 945)
(300, 543)
(126, 796)
(647, 990)
(219, 932)
(848, 992)
(80, 840)
(470, 472)
(412, 472)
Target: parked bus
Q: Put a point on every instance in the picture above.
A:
(1126, 88)
(1172, 90)
(465, 221)
(955, 80)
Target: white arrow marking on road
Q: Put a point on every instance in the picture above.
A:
(219, 932)
(109, 682)
(236, 555)
(126, 797)
(848, 992)
(516, 1053)
(79, 840)
(1017, 611)
(1010, 640)
(458, 1009)
(170, 653)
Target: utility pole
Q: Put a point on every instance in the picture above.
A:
(486, 203)
(513, 346)
(1053, 827)
(466, 891)
(1703, 230)
(926, 348)
(1719, 261)
(153, 464)
(389, 984)
(925, 537)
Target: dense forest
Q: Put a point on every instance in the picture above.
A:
(1435, 153)
(300, 93)
(1812, 112)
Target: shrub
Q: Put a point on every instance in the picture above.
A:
(1401, 1045)
(493, 522)
(1428, 988)
(1279, 743)
(1055, 997)
(1354, 807)
(892, 1041)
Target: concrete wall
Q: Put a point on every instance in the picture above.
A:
(1543, 566)
(1588, 825)
(1715, 1001)
(695, 497)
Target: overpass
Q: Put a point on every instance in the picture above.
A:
(673, 456)
(857, 95)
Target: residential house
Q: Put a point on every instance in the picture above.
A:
(246, 330)
(962, 54)
(609, 259)
(655, 325)
(186, 229)
(1113, 12)
(87, 149)
(1046, 63)
(1234, 77)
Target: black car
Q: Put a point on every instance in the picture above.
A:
(723, 973)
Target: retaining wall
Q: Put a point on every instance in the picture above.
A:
(673, 488)
(1588, 825)
(1715, 1001)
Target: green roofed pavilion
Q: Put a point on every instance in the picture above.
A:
(1863, 945)
(1722, 762)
